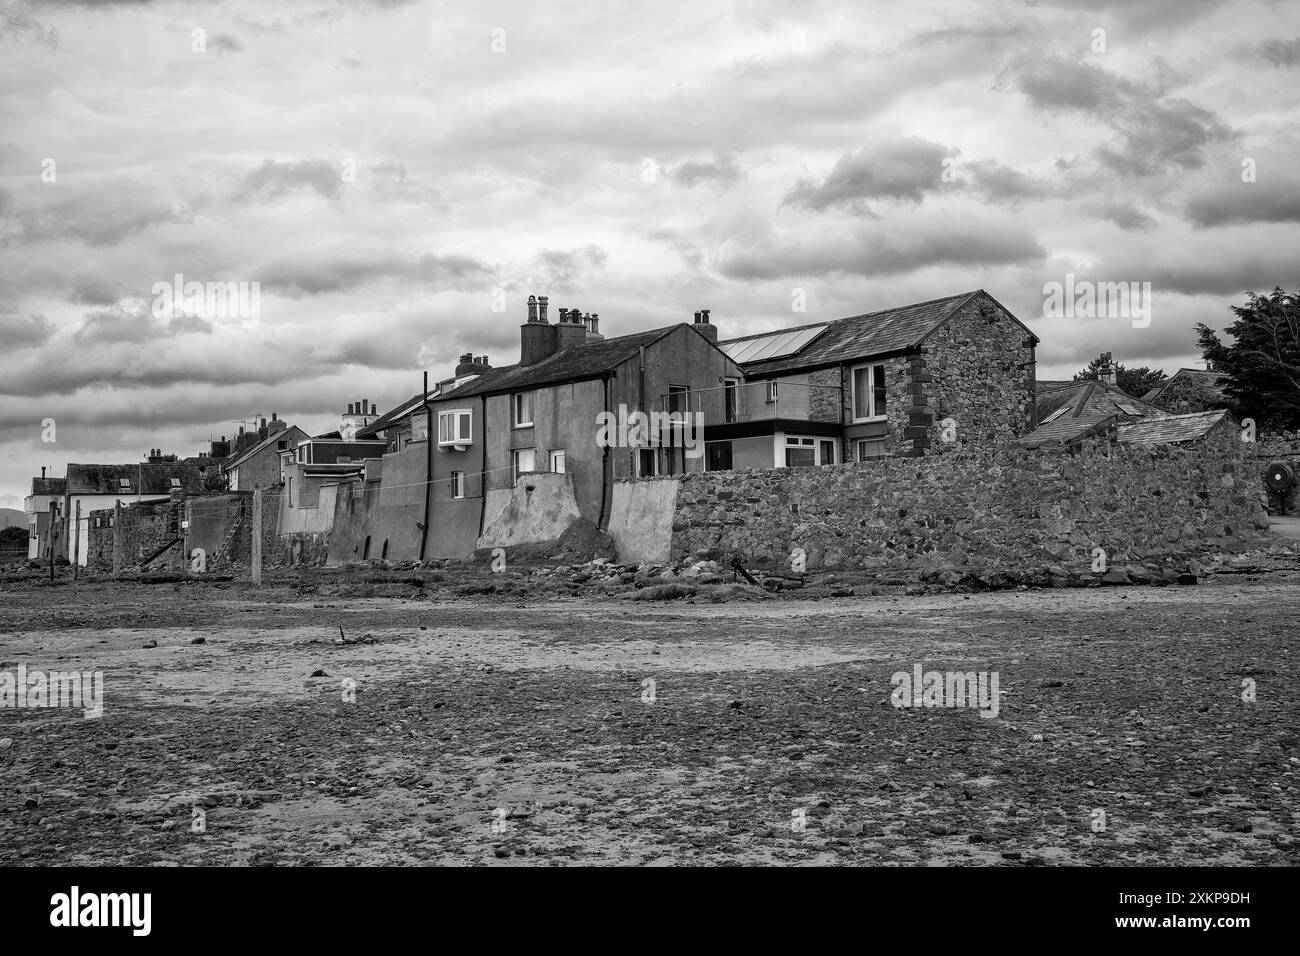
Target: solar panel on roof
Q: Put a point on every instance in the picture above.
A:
(771, 346)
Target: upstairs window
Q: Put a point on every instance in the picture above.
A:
(869, 392)
(523, 409)
(454, 427)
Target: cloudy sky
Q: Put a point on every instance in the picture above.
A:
(399, 176)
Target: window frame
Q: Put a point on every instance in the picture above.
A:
(873, 415)
(550, 461)
(457, 485)
(514, 463)
(515, 404)
(454, 415)
(859, 442)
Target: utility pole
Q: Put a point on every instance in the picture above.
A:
(117, 537)
(76, 542)
(256, 551)
(54, 515)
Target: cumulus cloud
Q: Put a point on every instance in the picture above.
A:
(1281, 52)
(273, 179)
(343, 269)
(904, 168)
(1153, 132)
(877, 251)
(21, 332)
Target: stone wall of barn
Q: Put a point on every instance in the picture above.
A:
(978, 370)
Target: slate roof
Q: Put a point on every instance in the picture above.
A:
(270, 441)
(1172, 428)
(394, 415)
(1090, 407)
(873, 333)
(568, 365)
(156, 478)
(1210, 380)
(49, 486)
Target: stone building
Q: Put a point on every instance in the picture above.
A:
(915, 380)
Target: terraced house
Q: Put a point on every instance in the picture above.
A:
(517, 453)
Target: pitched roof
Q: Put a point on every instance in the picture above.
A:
(1172, 428)
(1044, 385)
(402, 409)
(49, 486)
(270, 441)
(145, 478)
(590, 360)
(861, 336)
(394, 415)
(1208, 379)
(1085, 407)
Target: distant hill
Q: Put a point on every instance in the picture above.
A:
(12, 517)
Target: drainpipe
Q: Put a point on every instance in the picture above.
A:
(428, 465)
(641, 400)
(606, 469)
(482, 479)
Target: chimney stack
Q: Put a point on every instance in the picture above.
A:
(704, 327)
(537, 339)
(571, 332)
(1105, 370)
(466, 364)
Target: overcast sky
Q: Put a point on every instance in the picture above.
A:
(393, 173)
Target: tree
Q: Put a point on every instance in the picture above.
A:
(1135, 381)
(1263, 363)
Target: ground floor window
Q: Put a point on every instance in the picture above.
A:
(802, 451)
(525, 462)
(557, 462)
(647, 463)
(866, 448)
(718, 456)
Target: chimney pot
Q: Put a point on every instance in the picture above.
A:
(705, 316)
(532, 308)
(542, 300)
(43, 472)
(697, 318)
(274, 417)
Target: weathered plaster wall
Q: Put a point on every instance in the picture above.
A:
(538, 509)
(641, 518)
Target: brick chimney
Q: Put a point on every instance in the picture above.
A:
(1105, 369)
(571, 332)
(358, 416)
(537, 337)
(466, 365)
(593, 328)
(275, 425)
(704, 327)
